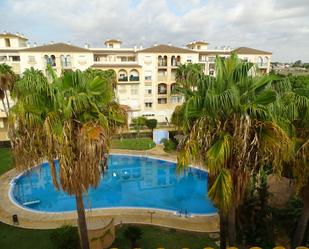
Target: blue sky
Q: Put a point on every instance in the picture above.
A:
(280, 26)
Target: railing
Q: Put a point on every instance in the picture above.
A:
(134, 78)
(123, 79)
(176, 64)
(162, 64)
(263, 65)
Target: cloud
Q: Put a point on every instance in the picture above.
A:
(281, 26)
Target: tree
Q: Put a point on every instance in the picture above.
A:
(72, 119)
(7, 79)
(228, 129)
(138, 123)
(133, 233)
(151, 124)
(291, 111)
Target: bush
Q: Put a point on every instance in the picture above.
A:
(169, 145)
(151, 123)
(133, 233)
(65, 237)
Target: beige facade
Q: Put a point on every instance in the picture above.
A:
(146, 77)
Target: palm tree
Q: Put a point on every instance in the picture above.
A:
(291, 111)
(229, 131)
(7, 79)
(72, 119)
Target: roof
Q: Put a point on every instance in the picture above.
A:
(57, 47)
(113, 40)
(209, 52)
(113, 51)
(166, 49)
(245, 50)
(13, 36)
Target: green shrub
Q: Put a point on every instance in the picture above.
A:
(169, 145)
(133, 233)
(65, 237)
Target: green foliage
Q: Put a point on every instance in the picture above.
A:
(133, 144)
(5, 160)
(138, 123)
(133, 233)
(169, 145)
(65, 237)
(151, 123)
(158, 237)
(256, 219)
(286, 218)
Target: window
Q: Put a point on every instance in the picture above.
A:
(148, 74)
(148, 91)
(162, 100)
(212, 72)
(246, 59)
(122, 89)
(3, 58)
(162, 88)
(176, 99)
(173, 87)
(7, 42)
(110, 45)
(148, 115)
(189, 59)
(134, 90)
(212, 59)
(148, 104)
(31, 59)
(15, 58)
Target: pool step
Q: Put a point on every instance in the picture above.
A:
(28, 203)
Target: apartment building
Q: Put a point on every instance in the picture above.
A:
(146, 76)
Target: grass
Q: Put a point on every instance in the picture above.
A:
(155, 237)
(13, 238)
(133, 144)
(5, 160)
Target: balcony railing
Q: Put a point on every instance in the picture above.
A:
(162, 64)
(175, 64)
(263, 65)
(123, 78)
(134, 78)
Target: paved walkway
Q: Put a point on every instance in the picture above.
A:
(36, 220)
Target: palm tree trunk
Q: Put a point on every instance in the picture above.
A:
(82, 225)
(232, 225)
(7, 101)
(303, 220)
(222, 230)
(4, 107)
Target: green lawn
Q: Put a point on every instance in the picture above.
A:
(5, 160)
(13, 238)
(155, 237)
(133, 144)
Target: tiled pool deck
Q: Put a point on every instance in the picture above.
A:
(35, 220)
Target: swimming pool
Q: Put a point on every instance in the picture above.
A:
(130, 182)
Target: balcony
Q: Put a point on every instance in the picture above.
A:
(176, 64)
(262, 65)
(134, 78)
(123, 78)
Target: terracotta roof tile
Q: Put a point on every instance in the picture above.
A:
(166, 49)
(57, 47)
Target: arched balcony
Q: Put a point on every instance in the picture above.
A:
(162, 61)
(175, 61)
(162, 88)
(122, 75)
(134, 75)
(259, 61)
(66, 61)
(50, 60)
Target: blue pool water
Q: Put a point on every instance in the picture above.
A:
(129, 182)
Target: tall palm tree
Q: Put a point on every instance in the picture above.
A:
(7, 79)
(72, 119)
(229, 131)
(291, 111)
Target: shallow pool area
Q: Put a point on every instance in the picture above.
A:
(130, 182)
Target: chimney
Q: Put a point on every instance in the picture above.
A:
(69, 43)
(170, 44)
(87, 45)
(35, 44)
(135, 48)
(51, 42)
(141, 47)
(156, 44)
